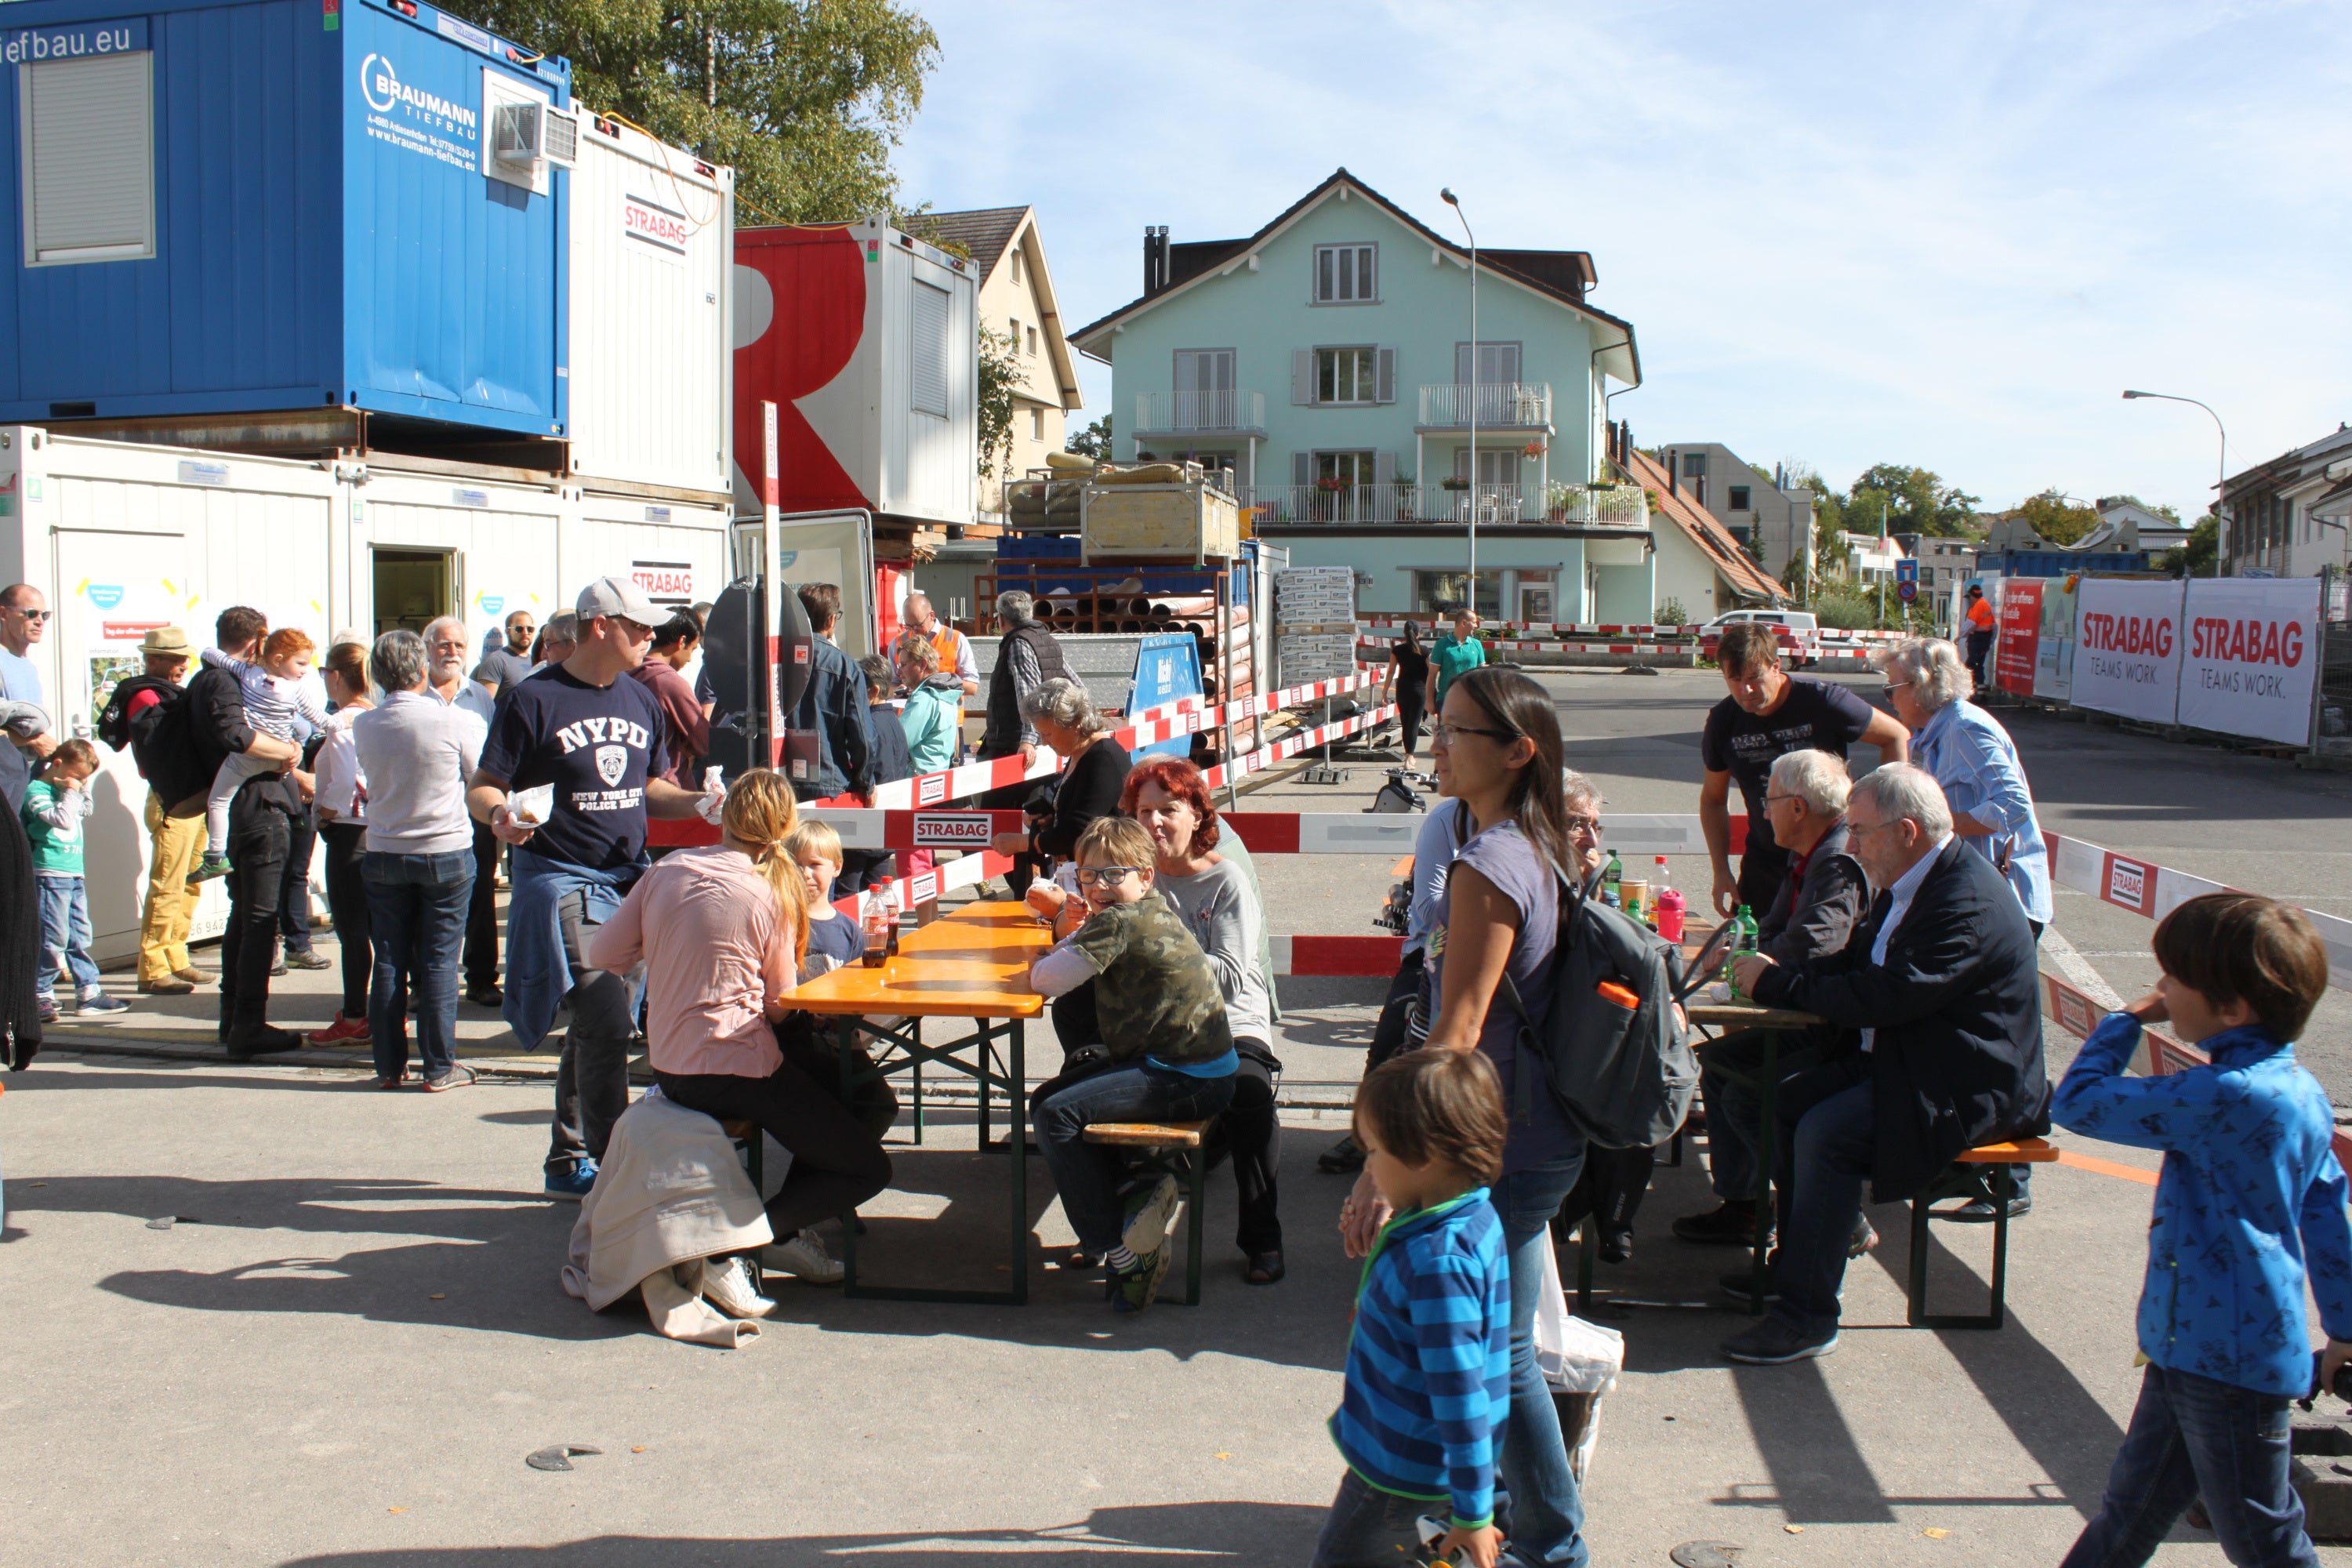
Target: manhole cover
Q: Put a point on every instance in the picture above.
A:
(1707, 1554)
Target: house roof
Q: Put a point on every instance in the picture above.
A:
(989, 233)
(1734, 565)
(1560, 276)
(984, 232)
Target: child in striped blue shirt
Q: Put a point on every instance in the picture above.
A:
(1429, 1361)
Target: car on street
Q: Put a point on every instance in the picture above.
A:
(1800, 639)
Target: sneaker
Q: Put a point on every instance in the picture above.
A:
(397, 1080)
(99, 1005)
(1341, 1158)
(211, 866)
(1741, 1287)
(1135, 1290)
(49, 1011)
(1863, 1239)
(343, 1031)
(572, 1184)
(804, 1258)
(485, 995)
(727, 1285)
(308, 958)
(1617, 1246)
(1775, 1341)
(276, 962)
(1150, 1209)
(1983, 1211)
(457, 1077)
(1725, 1224)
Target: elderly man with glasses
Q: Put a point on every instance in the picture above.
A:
(1939, 979)
(596, 739)
(1812, 915)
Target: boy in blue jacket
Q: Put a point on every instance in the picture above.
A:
(1429, 1361)
(2251, 1203)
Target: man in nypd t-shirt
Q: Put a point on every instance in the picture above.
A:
(595, 738)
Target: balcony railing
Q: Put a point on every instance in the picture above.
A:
(1580, 506)
(1200, 411)
(1499, 405)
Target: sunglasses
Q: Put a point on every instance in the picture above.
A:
(30, 615)
(1105, 876)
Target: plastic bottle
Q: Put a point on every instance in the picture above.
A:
(1612, 882)
(1659, 888)
(1743, 941)
(876, 926)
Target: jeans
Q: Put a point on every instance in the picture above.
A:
(347, 902)
(1547, 1514)
(1089, 1175)
(171, 904)
(1823, 1163)
(482, 913)
(416, 907)
(258, 836)
(591, 1075)
(1368, 1528)
(2190, 1437)
(294, 894)
(837, 1163)
(65, 933)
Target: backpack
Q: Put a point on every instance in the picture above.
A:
(160, 731)
(1624, 1074)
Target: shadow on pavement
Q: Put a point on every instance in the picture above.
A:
(1156, 1537)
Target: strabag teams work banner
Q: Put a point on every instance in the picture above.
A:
(2252, 654)
(2127, 646)
(2019, 623)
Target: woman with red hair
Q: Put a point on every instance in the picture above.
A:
(1218, 902)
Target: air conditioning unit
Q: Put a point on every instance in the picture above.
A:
(525, 135)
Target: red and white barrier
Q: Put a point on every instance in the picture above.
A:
(2154, 892)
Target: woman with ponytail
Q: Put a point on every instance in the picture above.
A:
(1498, 750)
(721, 931)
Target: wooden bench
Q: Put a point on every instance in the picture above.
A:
(1978, 1172)
(1174, 1149)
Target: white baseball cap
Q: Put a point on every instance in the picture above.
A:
(618, 596)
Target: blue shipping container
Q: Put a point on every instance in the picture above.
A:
(275, 205)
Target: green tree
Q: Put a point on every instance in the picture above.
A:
(1915, 500)
(1000, 375)
(2052, 517)
(1094, 441)
(2194, 559)
(805, 98)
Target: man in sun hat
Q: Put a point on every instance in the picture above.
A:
(136, 718)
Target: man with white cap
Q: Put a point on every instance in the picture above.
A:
(596, 739)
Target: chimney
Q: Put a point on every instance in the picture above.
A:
(1155, 259)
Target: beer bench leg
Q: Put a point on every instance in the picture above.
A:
(2003, 1185)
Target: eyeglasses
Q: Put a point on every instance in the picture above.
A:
(1899, 685)
(1582, 826)
(28, 615)
(1444, 734)
(1105, 876)
(1768, 798)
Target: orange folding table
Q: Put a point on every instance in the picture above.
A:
(974, 964)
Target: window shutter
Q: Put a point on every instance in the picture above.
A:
(1384, 465)
(1384, 389)
(1302, 377)
(89, 160)
(1302, 468)
(928, 350)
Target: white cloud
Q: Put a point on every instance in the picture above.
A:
(1946, 236)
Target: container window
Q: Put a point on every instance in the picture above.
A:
(88, 132)
(928, 369)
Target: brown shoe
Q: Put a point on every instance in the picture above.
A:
(194, 976)
(170, 986)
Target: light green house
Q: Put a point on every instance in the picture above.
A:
(1326, 363)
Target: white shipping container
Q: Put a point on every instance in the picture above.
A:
(125, 537)
(651, 363)
(866, 340)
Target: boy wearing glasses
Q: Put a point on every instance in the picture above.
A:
(1167, 1055)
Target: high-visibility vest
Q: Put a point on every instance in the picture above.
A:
(1981, 615)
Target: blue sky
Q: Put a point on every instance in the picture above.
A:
(1947, 235)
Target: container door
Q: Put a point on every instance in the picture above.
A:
(110, 590)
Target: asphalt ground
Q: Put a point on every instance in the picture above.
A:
(344, 1348)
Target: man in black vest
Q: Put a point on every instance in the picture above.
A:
(1026, 657)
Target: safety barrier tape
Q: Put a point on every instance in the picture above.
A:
(2154, 892)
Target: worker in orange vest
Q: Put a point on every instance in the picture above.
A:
(1978, 614)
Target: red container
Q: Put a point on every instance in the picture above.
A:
(1670, 914)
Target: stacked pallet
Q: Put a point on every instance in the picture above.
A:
(1315, 623)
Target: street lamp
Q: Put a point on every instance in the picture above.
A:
(1470, 591)
(2220, 476)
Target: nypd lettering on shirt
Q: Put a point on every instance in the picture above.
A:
(610, 742)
